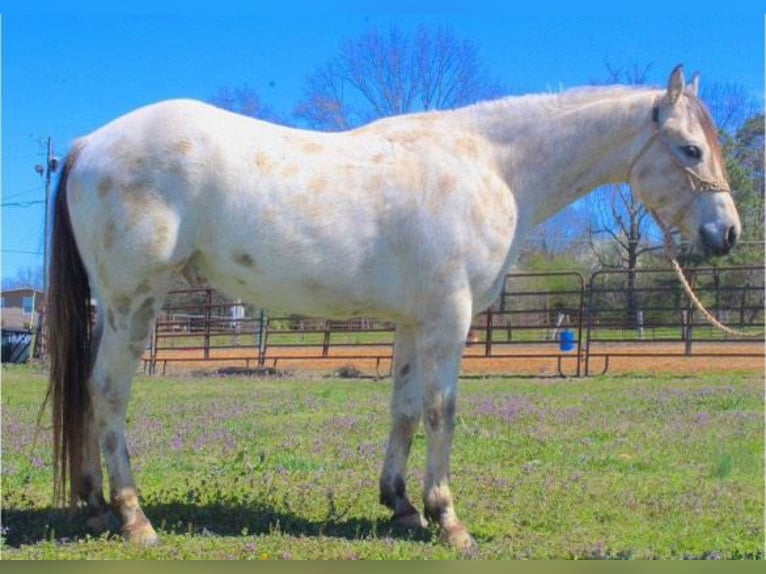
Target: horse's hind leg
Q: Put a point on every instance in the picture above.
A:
(128, 321)
(90, 488)
(405, 417)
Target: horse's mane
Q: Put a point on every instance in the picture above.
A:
(551, 103)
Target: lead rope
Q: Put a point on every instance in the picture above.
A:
(670, 252)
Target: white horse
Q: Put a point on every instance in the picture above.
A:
(414, 219)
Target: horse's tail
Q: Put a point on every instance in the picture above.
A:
(69, 345)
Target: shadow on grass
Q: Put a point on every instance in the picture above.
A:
(35, 525)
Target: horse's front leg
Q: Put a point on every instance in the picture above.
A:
(439, 350)
(405, 417)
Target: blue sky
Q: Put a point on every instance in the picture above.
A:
(64, 75)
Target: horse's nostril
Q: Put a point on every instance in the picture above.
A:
(717, 239)
(731, 236)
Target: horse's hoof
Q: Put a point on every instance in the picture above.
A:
(410, 520)
(457, 536)
(143, 535)
(102, 521)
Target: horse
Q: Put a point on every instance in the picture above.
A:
(413, 219)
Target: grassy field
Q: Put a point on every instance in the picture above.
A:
(607, 467)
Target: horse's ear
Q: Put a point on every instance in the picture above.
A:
(693, 87)
(676, 84)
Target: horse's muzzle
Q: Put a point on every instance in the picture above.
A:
(718, 239)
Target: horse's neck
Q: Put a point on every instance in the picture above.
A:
(554, 149)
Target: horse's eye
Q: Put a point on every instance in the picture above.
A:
(692, 151)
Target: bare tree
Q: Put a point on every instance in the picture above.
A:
(633, 73)
(25, 277)
(382, 74)
(730, 104)
(246, 101)
(626, 224)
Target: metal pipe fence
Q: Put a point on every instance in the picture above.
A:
(580, 324)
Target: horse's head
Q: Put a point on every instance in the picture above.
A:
(680, 175)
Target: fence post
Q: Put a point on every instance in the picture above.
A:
(743, 301)
(153, 346)
(589, 320)
(686, 330)
(488, 334)
(206, 348)
(262, 338)
(580, 319)
(326, 338)
(690, 316)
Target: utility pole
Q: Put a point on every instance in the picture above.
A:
(50, 167)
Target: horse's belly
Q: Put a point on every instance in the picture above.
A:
(324, 292)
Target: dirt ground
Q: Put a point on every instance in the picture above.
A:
(516, 360)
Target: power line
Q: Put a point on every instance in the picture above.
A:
(35, 189)
(51, 166)
(21, 251)
(22, 203)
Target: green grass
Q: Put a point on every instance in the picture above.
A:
(607, 467)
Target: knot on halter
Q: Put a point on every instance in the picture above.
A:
(696, 181)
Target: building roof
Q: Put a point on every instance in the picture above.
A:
(20, 289)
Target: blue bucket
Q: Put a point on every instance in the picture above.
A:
(567, 340)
